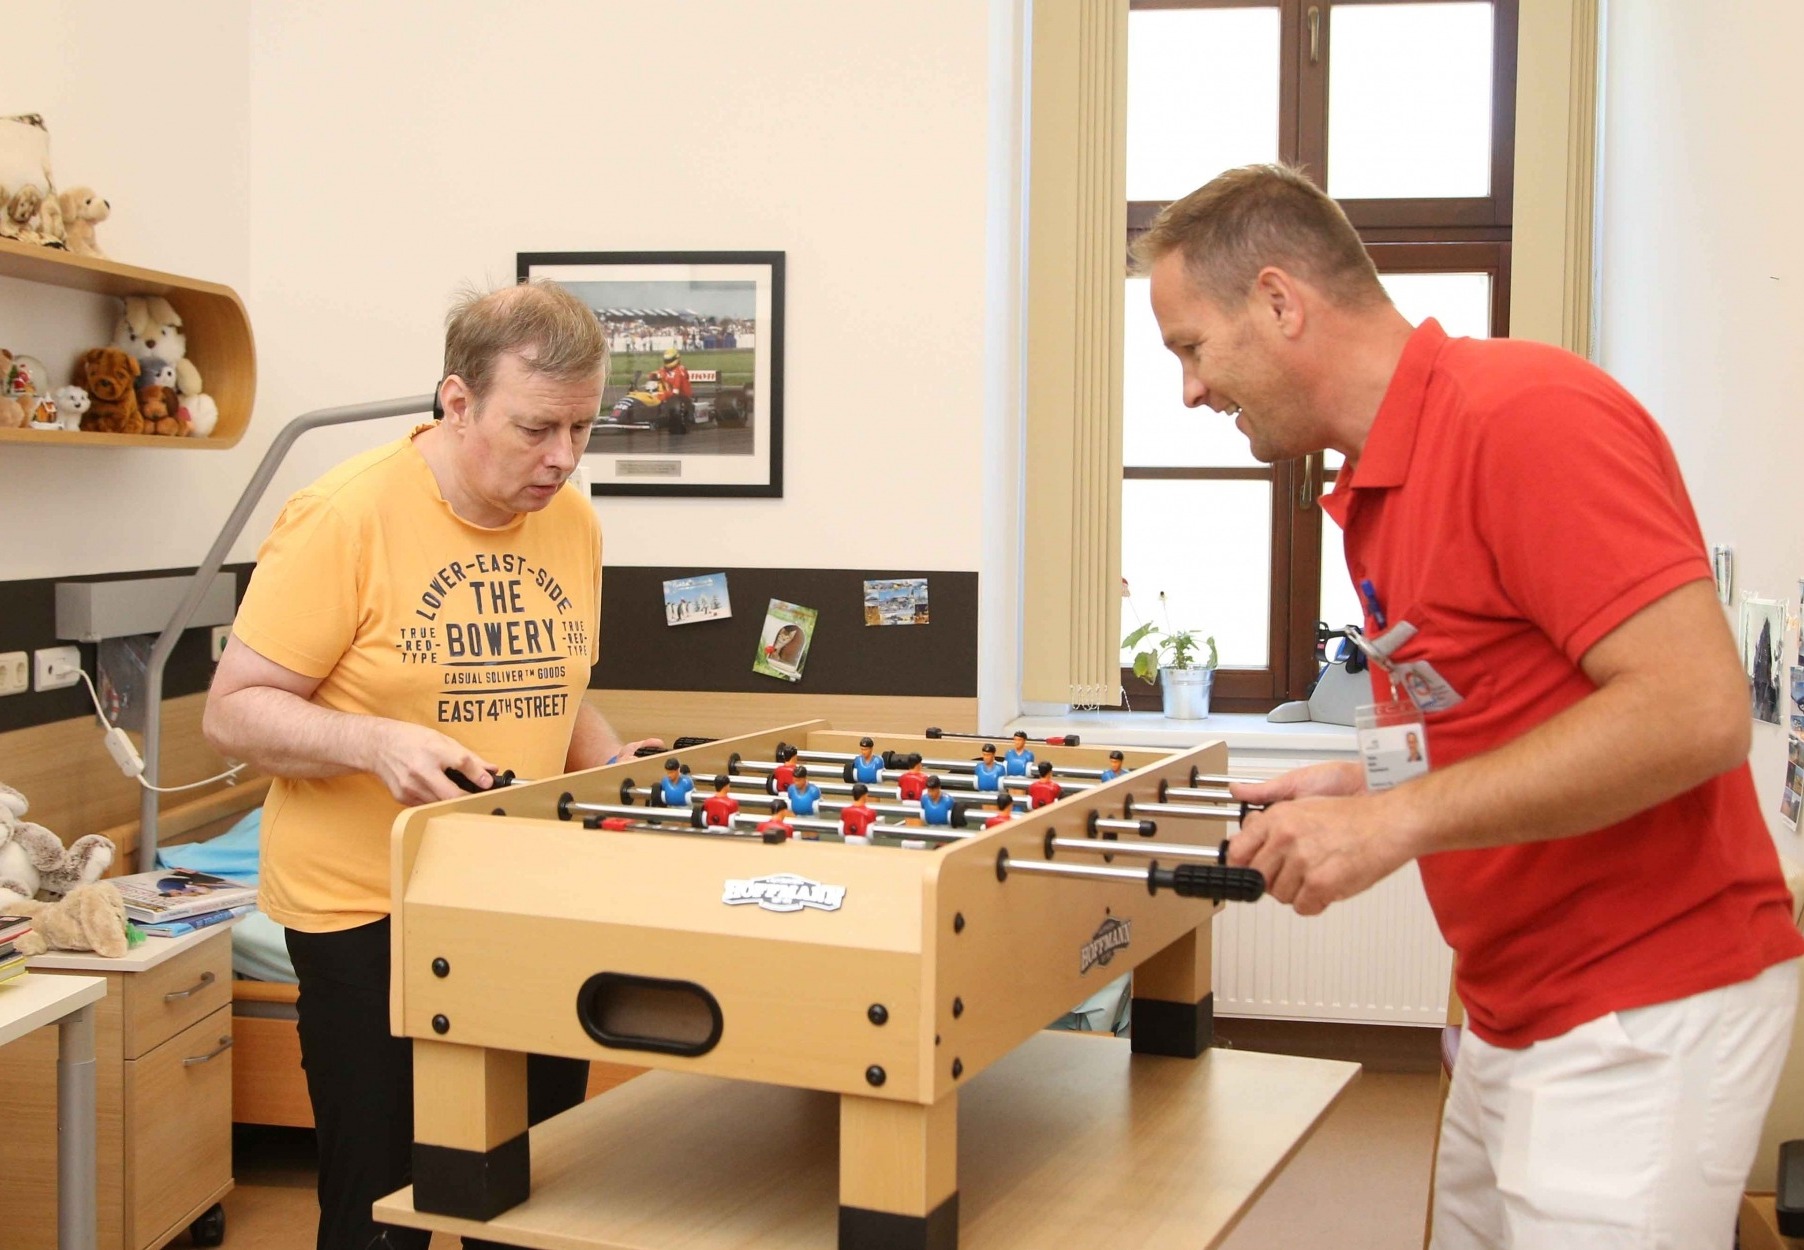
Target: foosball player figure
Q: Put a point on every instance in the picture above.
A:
(866, 767)
(720, 808)
(1018, 759)
(936, 807)
(857, 817)
(910, 784)
(989, 769)
(802, 793)
(776, 829)
(1005, 810)
(786, 768)
(1045, 790)
(1117, 767)
(676, 784)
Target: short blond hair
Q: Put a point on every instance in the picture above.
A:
(1260, 215)
(549, 329)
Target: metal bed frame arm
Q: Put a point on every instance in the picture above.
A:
(203, 578)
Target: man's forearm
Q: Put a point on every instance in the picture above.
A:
(286, 736)
(593, 741)
(1621, 750)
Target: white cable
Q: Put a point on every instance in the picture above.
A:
(126, 755)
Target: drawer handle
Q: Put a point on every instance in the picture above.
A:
(225, 1044)
(206, 979)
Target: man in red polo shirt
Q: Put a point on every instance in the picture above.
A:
(1536, 587)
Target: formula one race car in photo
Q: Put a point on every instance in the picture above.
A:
(646, 405)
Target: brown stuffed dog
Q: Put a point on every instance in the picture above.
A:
(88, 918)
(161, 409)
(110, 377)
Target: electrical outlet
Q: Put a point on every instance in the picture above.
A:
(15, 673)
(220, 634)
(67, 662)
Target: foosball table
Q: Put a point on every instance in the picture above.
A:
(568, 916)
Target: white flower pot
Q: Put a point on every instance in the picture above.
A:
(1185, 692)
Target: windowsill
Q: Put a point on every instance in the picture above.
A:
(1242, 731)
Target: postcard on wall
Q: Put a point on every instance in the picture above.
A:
(1795, 705)
(1763, 654)
(691, 599)
(897, 601)
(783, 643)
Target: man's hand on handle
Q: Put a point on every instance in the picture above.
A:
(411, 761)
(1319, 839)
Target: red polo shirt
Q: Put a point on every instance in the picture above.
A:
(719, 810)
(857, 820)
(1516, 505)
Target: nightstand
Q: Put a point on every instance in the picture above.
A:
(163, 1079)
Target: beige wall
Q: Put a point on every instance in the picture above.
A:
(346, 166)
(1702, 262)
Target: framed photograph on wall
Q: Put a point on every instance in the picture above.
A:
(694, 398)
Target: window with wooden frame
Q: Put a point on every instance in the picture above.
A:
(1405, 111)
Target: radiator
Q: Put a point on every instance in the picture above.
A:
(1374, 959)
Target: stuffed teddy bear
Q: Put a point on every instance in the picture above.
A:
(81, 210)
(34, 860)
(149, 327)
(89, 918)
(161, 409)
(155, 371)
(110, 377)
(23, 215)
(72, 405)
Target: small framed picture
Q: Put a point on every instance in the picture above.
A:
(694, 398)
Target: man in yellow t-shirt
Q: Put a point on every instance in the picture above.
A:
(433, 604)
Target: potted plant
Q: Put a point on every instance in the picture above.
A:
(1172, 657)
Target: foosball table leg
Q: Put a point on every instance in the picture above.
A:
(470, 1153)
(898, 1174)
(1174, 999)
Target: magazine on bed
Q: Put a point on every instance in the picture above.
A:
(178, 893)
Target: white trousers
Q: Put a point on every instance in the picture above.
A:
(1634, 1131)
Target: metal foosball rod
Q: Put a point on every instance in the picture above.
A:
(1168, 792)
(1211, 881)
(1096, 824)
(1139, 850)
(898, 810)
(568, 808)
(1057, 740)
(907, 832)
(1198, 778)
(1230, 810)
(1068, 786)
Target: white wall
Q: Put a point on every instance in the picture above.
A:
(149, 107)
(346, 166)
(1702, 285)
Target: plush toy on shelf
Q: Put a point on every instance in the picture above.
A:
(150, 328)
(199, 415)
(110, 377)
(72, 405)
(23, 215)
(89, 918)
(81, 210)
(161, 409)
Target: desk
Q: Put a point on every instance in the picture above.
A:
(1067, 1140)
(26, 1004)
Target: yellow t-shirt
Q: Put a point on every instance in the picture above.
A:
(372, 583)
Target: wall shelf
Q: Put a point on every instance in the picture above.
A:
(213, 319)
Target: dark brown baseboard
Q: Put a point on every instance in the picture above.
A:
(1376, 1047)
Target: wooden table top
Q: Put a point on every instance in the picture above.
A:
(1069, 1136)
(28, 1002)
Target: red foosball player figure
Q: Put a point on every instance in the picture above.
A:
(1005, 810)
(720, 808)
(1045, 790)
(912, 783)
(856, 820)
(776, 829)
(786, 768)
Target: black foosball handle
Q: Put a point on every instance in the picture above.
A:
(1057, 740)
(1213, 881)
(496, 781)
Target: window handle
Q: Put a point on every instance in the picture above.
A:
(1306, 489)
(1315, 34)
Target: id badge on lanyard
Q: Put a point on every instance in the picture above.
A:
(1393, 736)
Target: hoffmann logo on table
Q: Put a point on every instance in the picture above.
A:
(1111, 937)
(785, 892)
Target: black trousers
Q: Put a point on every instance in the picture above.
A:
(360, 1081)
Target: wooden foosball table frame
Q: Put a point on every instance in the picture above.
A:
(884, 978)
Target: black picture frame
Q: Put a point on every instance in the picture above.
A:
(724, 439)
